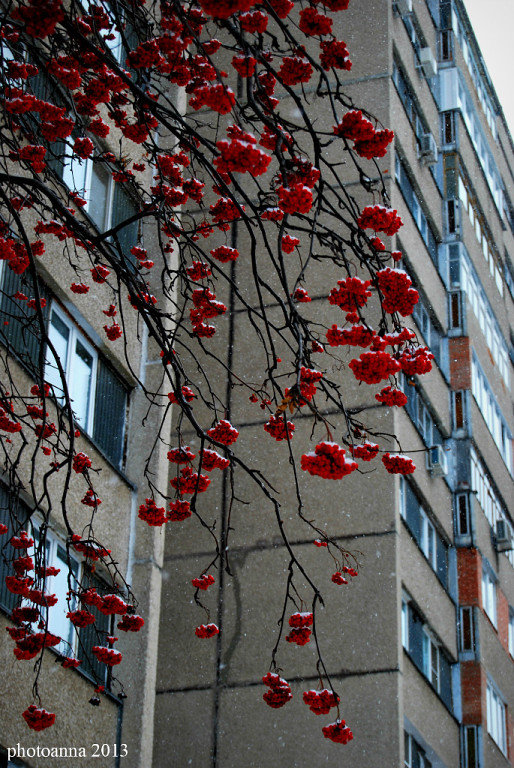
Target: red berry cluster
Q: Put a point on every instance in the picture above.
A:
(328, 461)
(289, 243)
(416, 361)
(295, 199)
(278, 428)
(373, 367)
(240, 154)
(212, 460)
(152, 514)
(366, 451)
(299, 636)
(356, 336)
(107, 656)
(190, 482)
(182, 455)
(37, 718)
(380, 219)
(351, 294)
(131, 623)
(223, 432)
(313, 23)
(334, 54)
(338, 732)
(225, 253)
(178, 511)
(206, 631)
(398, 464)
(399, 296)
(368, 142)
(81, 462)
(390, 396)
(279, 691)
(203, 582)
(321, 702)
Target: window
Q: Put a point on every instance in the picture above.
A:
(491, 412)
(19, 328)
(79, 361)
(511, 631)
(423, 532)
(407, 750)
(414, 754)
(57, 585)
(99, 398)
(72, 644)
(428, 539)
(466, 629)
(415, 207)
(418, 411)
(431, 659)
(426, 651)
(463, 522)
(470, 746)
(430, 333)
(496, 717)
(489, 593)
(405, 622)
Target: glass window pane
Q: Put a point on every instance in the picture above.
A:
(59, 335)
(99, 196)
(58, 624)
(81, 380)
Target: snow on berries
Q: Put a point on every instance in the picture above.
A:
(152, 514)
(328, 461)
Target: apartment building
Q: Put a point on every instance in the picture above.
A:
(422, 650)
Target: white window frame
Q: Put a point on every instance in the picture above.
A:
(496, 717)
(489, 598)
(76, 335)
(511, 631)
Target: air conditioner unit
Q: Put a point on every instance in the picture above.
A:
(504, 540)
(427, 62)
(427, 149)
(437, 463)
(403, 7)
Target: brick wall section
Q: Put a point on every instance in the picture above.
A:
(460, 362)
(503, 618)
(469, 569)
(473, 686)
